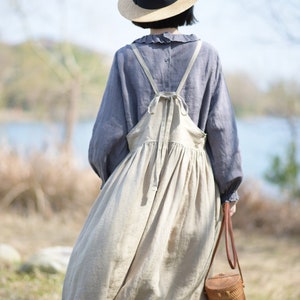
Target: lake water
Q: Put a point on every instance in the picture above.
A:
(260, 139)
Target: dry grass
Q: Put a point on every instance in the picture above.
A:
(256, 212)
(43, 184)
(29, 234)
(270, 264)
(267, 232)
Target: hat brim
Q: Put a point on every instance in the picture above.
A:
(129, 10)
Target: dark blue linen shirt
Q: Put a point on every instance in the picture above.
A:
(128, 94)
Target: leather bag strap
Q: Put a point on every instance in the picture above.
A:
(232, 256)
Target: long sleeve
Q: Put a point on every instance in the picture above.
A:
(223, 145)
(108, 145)
(127, 96)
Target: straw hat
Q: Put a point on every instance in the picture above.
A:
(152, 10)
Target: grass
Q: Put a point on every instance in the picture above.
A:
(44, 183)
(270, 264)
(29, 234)
(267, 233)
(21, 286)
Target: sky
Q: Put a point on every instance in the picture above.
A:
(244, 34)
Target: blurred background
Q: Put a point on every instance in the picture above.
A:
(54, 61)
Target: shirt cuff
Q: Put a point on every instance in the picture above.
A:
(232, 197)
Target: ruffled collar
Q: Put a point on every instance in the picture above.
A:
(166, 38)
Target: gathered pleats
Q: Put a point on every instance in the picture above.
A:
(151, 231)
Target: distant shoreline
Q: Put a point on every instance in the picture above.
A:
(15, 116)
(19, 116)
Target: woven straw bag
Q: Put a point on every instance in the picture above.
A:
(228, 286)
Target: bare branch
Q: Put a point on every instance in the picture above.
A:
(38, 48)
(283, 13)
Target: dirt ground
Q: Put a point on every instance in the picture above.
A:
(270, 264)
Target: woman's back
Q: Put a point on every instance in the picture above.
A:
(167, 162)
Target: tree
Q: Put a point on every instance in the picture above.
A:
(6, 60)
(285, 172)
(284, 17)
(29, 86)
(244, 93)
(63, 64)
(281, 15)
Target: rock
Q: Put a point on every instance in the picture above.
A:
(49, 260)
(9, 255)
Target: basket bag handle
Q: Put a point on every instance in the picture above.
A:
(232, 256)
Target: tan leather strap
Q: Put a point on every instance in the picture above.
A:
(232, 256)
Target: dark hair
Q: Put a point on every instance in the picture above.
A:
(185, 18)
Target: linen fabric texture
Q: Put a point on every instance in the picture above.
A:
(128, 94)
(151, 232)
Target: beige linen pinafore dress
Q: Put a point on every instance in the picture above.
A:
(151, 232)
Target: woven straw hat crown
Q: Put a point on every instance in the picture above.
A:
(152, 10)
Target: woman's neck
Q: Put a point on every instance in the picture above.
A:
(163, 30)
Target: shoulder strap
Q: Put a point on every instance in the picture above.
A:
(189, 67)
(149, 76)
(145, 68)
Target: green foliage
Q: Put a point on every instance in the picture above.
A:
(284, 98)
(39, 83)
(285, 172)
(39, 80)
(30, 287)
(245, 94)
(281, 98)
